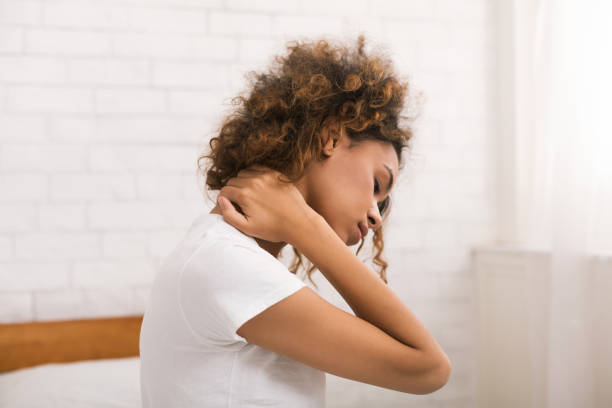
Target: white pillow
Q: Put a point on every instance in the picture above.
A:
(109, 383)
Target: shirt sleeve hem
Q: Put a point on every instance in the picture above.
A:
(265, 302)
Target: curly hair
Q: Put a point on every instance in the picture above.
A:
(277, 123)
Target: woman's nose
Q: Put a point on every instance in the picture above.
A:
(374, 219)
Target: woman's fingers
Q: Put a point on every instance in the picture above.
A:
(249, 172)
(238, 182)
(255, 170)
(229, 195)
(230, 214)
(260, 168)
(233, 194)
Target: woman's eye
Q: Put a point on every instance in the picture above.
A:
(382, 206)
(376, 187)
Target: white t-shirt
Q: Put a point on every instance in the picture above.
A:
(215, 280)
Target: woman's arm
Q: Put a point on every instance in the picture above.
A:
(367, 295)
(276, 211)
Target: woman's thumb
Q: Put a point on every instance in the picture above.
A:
(229, 212)
(222, 203)
(225, 205)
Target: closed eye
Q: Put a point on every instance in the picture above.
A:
(382, 206)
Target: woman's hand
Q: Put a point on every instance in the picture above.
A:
(270, 209)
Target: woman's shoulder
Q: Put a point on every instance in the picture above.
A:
(217, 245)
(212, 227)
(210, 232)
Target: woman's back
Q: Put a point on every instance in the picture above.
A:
(215, 280)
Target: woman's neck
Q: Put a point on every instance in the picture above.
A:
(273, 248)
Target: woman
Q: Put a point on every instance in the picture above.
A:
(308, 158)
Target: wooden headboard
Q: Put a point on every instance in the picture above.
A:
(29, 344)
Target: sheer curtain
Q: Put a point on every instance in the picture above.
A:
(563, 173)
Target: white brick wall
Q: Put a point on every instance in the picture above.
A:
(105, 106)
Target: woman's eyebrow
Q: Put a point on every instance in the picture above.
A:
(390, 177)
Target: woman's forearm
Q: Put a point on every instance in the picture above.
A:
(367, 295)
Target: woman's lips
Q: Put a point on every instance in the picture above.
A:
(363, 230)
(355, 238)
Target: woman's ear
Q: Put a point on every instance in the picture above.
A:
(330, 135)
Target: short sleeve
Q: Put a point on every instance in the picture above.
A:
(226, 284)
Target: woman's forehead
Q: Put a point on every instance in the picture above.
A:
(382, 152)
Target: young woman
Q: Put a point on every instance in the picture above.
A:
(308, 158)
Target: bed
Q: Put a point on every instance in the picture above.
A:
(71, 363)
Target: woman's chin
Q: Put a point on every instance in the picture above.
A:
(352, 241)
(349, 240)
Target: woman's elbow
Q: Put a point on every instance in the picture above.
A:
(433, 375)
(439, 376)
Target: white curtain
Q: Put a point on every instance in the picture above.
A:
(563, 173)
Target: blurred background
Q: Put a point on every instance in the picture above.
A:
(500, 233)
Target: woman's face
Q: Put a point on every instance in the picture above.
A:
(346, 187)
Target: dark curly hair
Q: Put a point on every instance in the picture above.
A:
(277, 124)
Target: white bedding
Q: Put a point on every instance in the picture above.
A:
(109, 383)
